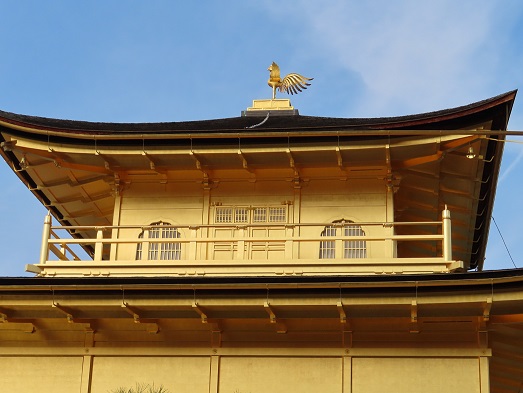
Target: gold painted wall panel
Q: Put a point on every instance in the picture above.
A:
(316, 201)
(261, 188)
(177, 374)
(41, 374)
(280, 375)
(414, 375)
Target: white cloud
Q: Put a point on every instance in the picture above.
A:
(513, 165)
(411, 56)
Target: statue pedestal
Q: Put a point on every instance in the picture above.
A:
(277, 106)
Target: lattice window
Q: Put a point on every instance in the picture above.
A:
(241, 214)
(244, 214)
(328, 247)
(351, 248)
(278, 214)
(354, 248)
(161, 251)
(259, 214)
(224, 215)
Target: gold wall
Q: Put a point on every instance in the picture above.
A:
(265, 371)
(314, 201)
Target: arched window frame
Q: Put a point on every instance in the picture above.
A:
(351, 248)
(161, 251)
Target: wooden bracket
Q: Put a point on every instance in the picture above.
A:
(150, 327)
(152, 163)
(108, 162)
(482, 325)
(131, 311)
(200, 312)
(292, 163)
(339, 159)
(486, 309)
(280, 326)
(245, 163)
(216, 334)
(347, 338)
(3, 318)
(341, 311)
(271, 313)
(216, 339)
(414, 326)
(197, 162)
(68, 314)
(71, 319)
(346, 330)
(7, 323)
(25, 327)
(214, 325)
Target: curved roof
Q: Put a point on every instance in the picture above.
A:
(424, 153)
(447, 119)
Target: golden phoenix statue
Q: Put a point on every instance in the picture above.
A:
(291, 83)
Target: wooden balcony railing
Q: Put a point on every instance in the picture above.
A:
(244, 249)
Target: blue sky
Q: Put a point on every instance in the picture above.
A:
(137, 61)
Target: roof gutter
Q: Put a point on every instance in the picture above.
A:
(452, 280)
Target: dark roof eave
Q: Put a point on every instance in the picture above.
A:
(429, 120)
(508, 277)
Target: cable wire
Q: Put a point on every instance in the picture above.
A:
(506, 247)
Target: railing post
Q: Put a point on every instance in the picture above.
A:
(240, 244)
(193, 244)
(447, 235)
(289, 243)
(145, 245)
(63, 249)
(98, 247)
(338, 243)
(44, 250)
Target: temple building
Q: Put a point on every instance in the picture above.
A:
(270, 252)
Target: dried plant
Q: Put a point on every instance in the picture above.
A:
(141, 388)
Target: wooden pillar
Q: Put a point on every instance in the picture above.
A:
(214, 378)
(87, 366)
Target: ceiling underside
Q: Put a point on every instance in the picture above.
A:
(425, 173)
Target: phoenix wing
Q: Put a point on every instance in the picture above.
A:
(294, 83)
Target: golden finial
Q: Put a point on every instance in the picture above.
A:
(292, 83)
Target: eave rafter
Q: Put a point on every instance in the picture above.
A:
(245, 163)
(84, 198)
(280, 326)
(292, 162)
(150, 326)
(111, 160)
(341, 311)
(346, 328)
(414, 326)
(214, 325)
(444, 175)
(108, 162)
(69, 315)
(152, 163)
(413, 162)
(73, 182)
(61, 160)
(339, 160)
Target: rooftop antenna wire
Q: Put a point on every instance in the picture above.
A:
(506, 247)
